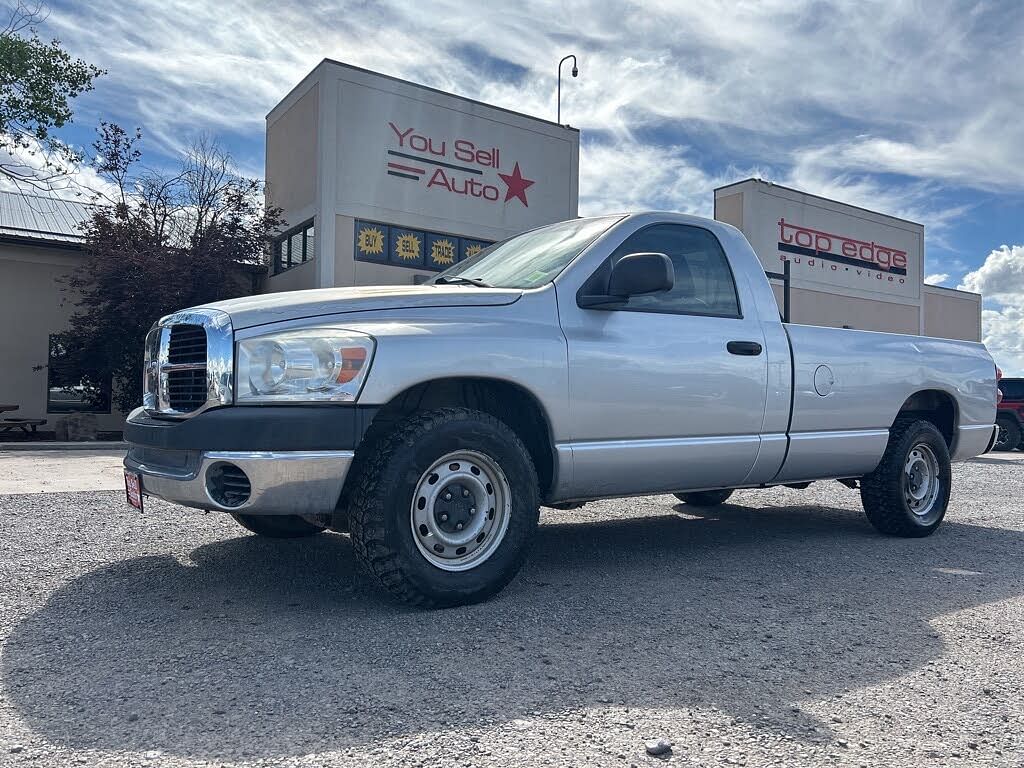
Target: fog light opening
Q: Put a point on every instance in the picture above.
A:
(227, 484)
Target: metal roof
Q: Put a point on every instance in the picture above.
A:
(35, 217)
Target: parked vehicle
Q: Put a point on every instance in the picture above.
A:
(1010, 415)
(600, 357)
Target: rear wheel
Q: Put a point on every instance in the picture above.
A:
(444, 510)
(908, 492)
(1009, 434)
(705, 498)
(278, 526)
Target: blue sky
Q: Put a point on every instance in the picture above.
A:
(910, 108)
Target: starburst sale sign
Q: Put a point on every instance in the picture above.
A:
(403, 247)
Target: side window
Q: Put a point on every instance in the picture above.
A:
(704, 284)
(1012, 390)
(295, 247)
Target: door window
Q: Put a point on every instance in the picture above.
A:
(704, 284)
(1012, 390)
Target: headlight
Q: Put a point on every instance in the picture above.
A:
(299, 366)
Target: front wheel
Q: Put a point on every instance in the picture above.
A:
(444, 510)
(278, 526)
(705, 498)
(908, 492)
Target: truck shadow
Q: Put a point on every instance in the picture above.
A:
(258, 648)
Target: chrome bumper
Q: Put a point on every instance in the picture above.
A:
(282, 483)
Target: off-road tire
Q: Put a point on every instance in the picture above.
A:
(381, 501)
(278, 526)
(705, 498)
(1009, 434)
(882, 492)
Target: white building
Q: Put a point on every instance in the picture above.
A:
(383, 181)
(848, 267)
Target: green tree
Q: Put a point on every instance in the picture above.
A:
(163, 242)
(38, 82)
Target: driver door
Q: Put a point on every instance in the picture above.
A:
(662, 397)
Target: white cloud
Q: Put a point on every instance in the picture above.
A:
(936, 279)
(1003, 334)
(983, 151)
(629, 176)
(764, 80)
(61, 179)
(1000, 279)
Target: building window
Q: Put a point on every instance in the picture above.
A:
(294, 247)
(65, 390)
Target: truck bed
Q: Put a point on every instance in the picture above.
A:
(866, 377)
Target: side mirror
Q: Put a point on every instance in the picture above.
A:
(634, 275)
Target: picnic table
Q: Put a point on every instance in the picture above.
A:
(28, 426)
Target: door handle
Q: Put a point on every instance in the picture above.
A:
(751, 348)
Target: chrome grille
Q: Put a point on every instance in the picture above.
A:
(187, 344)
(189, 363)
(186, 385)
(186, 390)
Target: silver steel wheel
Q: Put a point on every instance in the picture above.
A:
(921, 480)
(460, 510)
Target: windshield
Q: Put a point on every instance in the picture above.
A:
(530, 259)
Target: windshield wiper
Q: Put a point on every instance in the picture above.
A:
(459, 280)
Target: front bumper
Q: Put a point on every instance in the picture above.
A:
(283, 483)
(295, 458)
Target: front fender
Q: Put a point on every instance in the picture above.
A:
(521, 343)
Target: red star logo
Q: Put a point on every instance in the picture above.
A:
(516, 184)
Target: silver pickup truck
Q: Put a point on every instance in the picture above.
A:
(599, 357)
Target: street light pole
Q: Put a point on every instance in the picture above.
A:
(575, 73)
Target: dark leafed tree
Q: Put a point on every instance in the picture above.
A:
(159, 243)
(38, 82)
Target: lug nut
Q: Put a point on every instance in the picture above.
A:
(472, 510)
(448, 497)
(458, 526)
(444, 518)
(465, 493)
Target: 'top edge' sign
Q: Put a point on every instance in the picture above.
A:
(833, 247)
(813, 243)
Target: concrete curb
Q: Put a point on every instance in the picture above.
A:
(50, 445)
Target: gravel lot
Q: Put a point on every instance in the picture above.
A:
(777, 630)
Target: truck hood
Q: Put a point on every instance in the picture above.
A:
(266, 308)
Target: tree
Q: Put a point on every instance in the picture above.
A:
(38, 81)
(165, 241)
